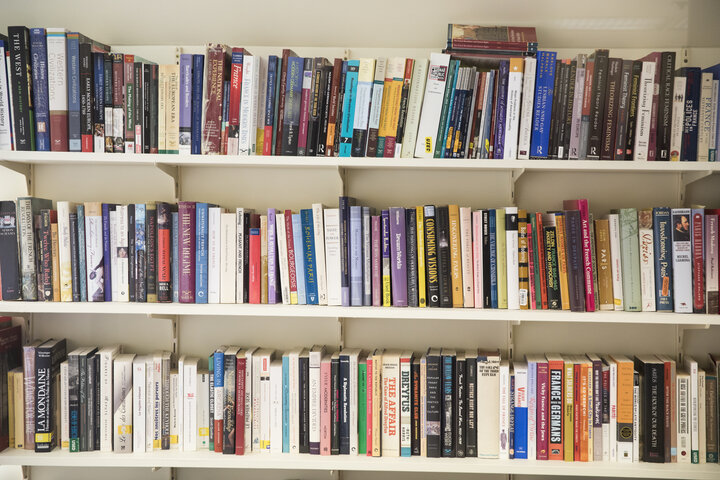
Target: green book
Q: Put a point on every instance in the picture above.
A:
(449, 88)
(630, 259)
(362, 407)
(501, 257)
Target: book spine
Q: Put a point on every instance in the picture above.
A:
(551, 267)
(122, 405)
(697, 236)
(500, 111)
(647, 255)
(185, 104)
(415, 101)
(466, 257)
(151, 231)
(39, 61)
(201, 253)
(412, 257)
(644, 112)
(540, 136)
(528, 97)
(665, 106)
(431, 257)
(611, 109)
(20, 81)
(711, 263)
(367, 256)
(198, 67)
(597, 105)
(512, 254)
(140, 254)
(623, 107)
(164, 268)
(355, 256)
(398, 257)
(629, 249)
(678, 115)
(216, 73)
(187, 251)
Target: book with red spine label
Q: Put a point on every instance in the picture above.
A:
(697, 238)
(217, 72)
(233, 124)
(240, 392)
(164, 234)
(291, 257)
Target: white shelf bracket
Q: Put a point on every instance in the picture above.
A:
(680, 338)
(25, 169)
(175, 330)
(341, 332)
(342, 176)
(515, 174)
(172, 171)
(510, 337)
(346, 54)
(25, 472)
(178, 52)
(688, 178)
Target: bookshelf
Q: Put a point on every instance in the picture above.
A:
(632, 30)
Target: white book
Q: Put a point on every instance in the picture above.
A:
(526, 112)
(149, 403)
(5, 117)
(678, 117)
(10, 96)
(283, 258)
(714, 119)
(702, 420)
(391, 423)
(406, 359)
(203, 410)
(94, 251)
(705, 118)
(432, 105)
(376, 100)
(512, 116)
(636, 424)
(366, 72)
(228, 267)
(415, 101)
(488, 404)
(504, 412)
(319, 233)
(366, 257)
(315, 358)
(260, 105)
(511, 252)
(682, 260)
(684, 440)
(575, 127)
(276, 406)
(647, 260)
(612, 425)
(174, 414)
(214, 249)
(477, 258)
(694, 408)
(122, 403)
(247, 117)
(423, 406)
(190, 396)
(251, 409)
(180, 401)
(239, 255)
(332, 255)
(57, 80)
(122, 259)
(113, 214)
(139, 403)
(294, 399)
(532, 417)
(644, 112)
(615, 260)
(466, 248)
(264, 359)
(107, 356)
(64, 402)
(63, 218)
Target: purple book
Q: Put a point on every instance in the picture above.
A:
(272, 265)
(186, 80)
(186, 247)
(398, 257)
(376, 261)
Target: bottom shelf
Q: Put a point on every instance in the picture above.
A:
(359, 463)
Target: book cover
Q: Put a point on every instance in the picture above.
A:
(412, 257)
(697, 235)
(187, 250)
(682, 260)
(398, 257)
(545, 78)
(647, 255)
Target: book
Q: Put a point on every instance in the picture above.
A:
(681, 260)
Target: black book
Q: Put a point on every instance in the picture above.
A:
(344, 210)
(471, 404)
(597, 104)
(37, 224)
(412, 264)
(402, 114)
(555, 108)
(151, 251)
(108, 101)
(131, 251)
(86, 97)
(9, 258)
(74, 257)
(340, 99)
(97, 402)
(434, 402)
(326, 76)
(573, 242)
(443, 248)
(652, 408)
(561, 116)
(460, 405)
(317, 100)
(153, 94)
(20, 80)
(466, 117)
(98, 105)
(448, 415)
(85, 388)
(664, 117)
(74, 400)
(415, 407)
(139, 105)
(45, 275)
(551, 262)
(90, 395)
(147, 80)
(487, 294)
(344, 404)
(612, 96)
(229, 406)
(432, 281)
(304, 412)
(566, 128)
(48, 357)
(633, 108)
(335, 404)
(164, 234)
(623, 107)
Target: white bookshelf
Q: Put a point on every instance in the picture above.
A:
(629, 29)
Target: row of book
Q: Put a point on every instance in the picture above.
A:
(62, 91)
(377, 402)
(660, 259)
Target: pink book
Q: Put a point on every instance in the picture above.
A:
(325, 404)
(582, 205)
(369, 402)
(305, 108)
(542, 411)
(531, 265)
(477, 258)
(376, 269)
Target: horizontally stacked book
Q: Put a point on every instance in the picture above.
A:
(376, 402)
(658, 259)
(492, 95)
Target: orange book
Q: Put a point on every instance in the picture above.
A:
(562, 260)
(540, 267)
(577, 410)
(585, 416)
(455, 263)
(625, 385)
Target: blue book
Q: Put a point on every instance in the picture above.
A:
(348, 108)
(38, 55)
(715, 70)
(107, 263)
(175, 258)
(197, 90)
(201, 252)
(98, 111)
(293, 97)
(542, 111)
(308, 253)
(662, 238)
(503, 75)
(185, 106)
(356, 259)
(299, 259)
(454, 115)
(511, 414)
(272, 77)
(447, 434)
(688, 152)
(493, 259)
(218, 378)
(81, 252)
(140, 254)
(286, 403)
(344, 404)
(73, 84)
(520, 409)
(446, 127)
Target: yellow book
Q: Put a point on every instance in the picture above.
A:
(455, 265)
(392, 93)
(385, 226)
(501, 243)
(19, 413)
(568, 411)
(263, 259)
(422, 300)
(172, 110)
(562, 260)
(523, 261)
(55, 261)
(11, 407)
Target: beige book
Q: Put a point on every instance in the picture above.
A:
(605, 280)
(18, 418)
(64, 250)
(163, 74)
(377, 402)
(172, 109)
(55, 261)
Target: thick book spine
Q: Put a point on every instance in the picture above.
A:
(57, 89)
(309, 256)
(597, 104)
(355, 256)
(665, 104)
(434, 397)
(412, 256)
(201, 252)
(647, 266)
(164, 254)
(398, 257)
(39, 60)
(118, 101)
(540, 138)
(187, 251)
(217, 72)
(86, 97)
(444, 257)
(20, 80)
(448, 409)
(629, 248)
(623, 102)
(697, 235)
(362, 110)
(198, 67)
(292, 97)
(644, 112)
(612, 94)
(711, 261)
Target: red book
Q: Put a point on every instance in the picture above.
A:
(217, 68)
(582, 205)
(556, 369)
(291, 256)
(543, 423)
(287, 53)
(240, 404)
(577, 412)
(541, 261)
(531, 266)
(698, 267)
(325, 404)
(233, 126)
(255, 274)
(164, 232)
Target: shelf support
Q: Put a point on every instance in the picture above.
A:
(173, 171)
(515, 174)
(175, 331)
(688, 178)
(341, 332)
(680, 338)
(25, 472)
(25, 169)
(342, 177)
(510, 337)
